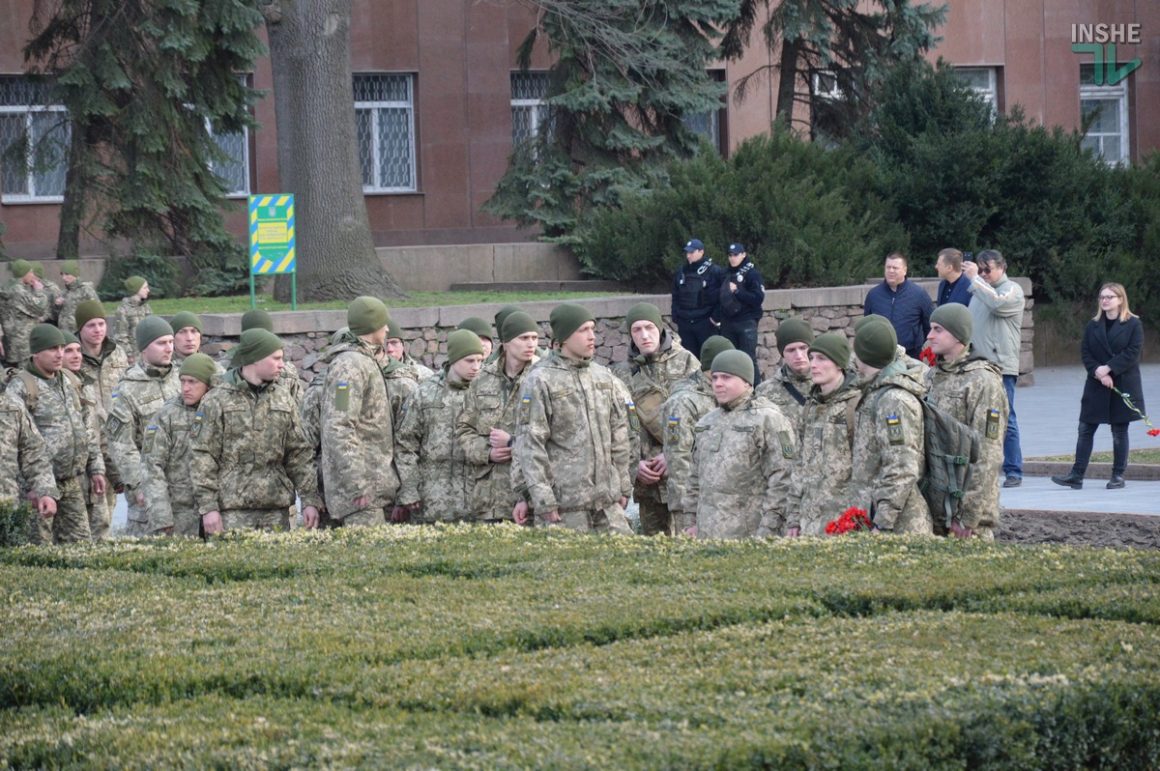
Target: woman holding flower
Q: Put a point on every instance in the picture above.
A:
(1113, 393)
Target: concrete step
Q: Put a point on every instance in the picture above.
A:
(540, 286)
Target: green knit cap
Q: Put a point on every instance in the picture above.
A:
(834, 346)
(876, 344)
(501, 316)
(256, 318)
(366, 315)
(133, 284)
(394, 331)
(515, 324)
(255, 345)
(735, 363)
(867, 319)
(87, 311)
(20, 268)
(793, 331)
(462, 343)
(643, 312)
(566, 318)
(43, 337)
(183, 319)
(69, 338)
(149, 329)
(956, 319)
(200, 366)
(711, 347)
(38, 270)
(70, 267)
(477, 325)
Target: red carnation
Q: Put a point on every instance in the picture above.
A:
(852, 519)
(927, 355)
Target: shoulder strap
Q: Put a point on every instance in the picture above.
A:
(31, 385)
(851, 408)
(791, 389)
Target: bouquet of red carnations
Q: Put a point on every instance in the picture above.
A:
(852, 519)
(927, 355)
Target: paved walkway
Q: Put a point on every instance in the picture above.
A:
(1048, 419)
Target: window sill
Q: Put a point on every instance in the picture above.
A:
(378, 193)
(52, 200)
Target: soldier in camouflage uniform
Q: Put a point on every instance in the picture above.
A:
(888, 436)
(187, 329)
(291, 381)
(436, 480)
(147, 385)
(573, 448)
(790, 383)
(103, 364)
(168, 486)
(75, 292)
(916, 368)
(481, 328)
(691, 400)
(52, 292)
(53, 400)
(970, 389)
(743, 452)
(25, 468)
(487, 424)
(397, 350)
(655, 362)
(100, 515)
(356, 433)
(25, 305)
(247, 452)
(134, 307)
(820, 487)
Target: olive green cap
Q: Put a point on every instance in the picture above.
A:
(867, 319)
(501, 316)
(366, 315)
(183, 319)
(566, 318)
(69, 338)
(149, 329)
(735, 363)
(133, 284)
(20, 268)
(462, 343)
(200, 366)
(255, 345)
(876, 344)
(956, 319)
(256, 318)
(43, 337)
(713, 346)
(643, 312)
(834, 346)
(477, 325)
(517, 323)
(793, 331)
(70, 267)
(38, 270)
(87, 311)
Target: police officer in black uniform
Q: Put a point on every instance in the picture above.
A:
(696, 286)
(739, 310)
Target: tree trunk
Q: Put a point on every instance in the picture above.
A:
(76, 187)
(318, 152)
(787, 81)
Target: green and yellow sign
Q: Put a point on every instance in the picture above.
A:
(272, 246)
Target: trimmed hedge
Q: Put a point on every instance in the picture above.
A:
(501, 647)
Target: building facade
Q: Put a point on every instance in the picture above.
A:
(439, 104)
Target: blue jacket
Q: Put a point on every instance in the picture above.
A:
(908, 309)
(745, 303)
(954, 292)
(695, 290)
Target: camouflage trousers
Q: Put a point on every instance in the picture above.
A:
(186, 522)
(361, 518)
(70, 524)
(138, 520)
(100, 509)
(681, 521)
(655, 518)
(606, 520)
(255, 519)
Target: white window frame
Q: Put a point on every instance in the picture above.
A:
(537, 110)
(376, 151)
(1117, 93)
(245, 159)
(28, 111)
(833, 93)
(989, 93)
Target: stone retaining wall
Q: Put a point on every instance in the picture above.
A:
(425, 329)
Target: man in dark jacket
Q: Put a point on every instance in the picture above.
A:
(739, 308)
(906, 304)
(696, 286)
(952, 287)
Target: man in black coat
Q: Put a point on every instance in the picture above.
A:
(904, 303)
(696, 286)
(739, 309)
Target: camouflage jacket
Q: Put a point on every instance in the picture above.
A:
(105, 370)
(422, 372)
(24, 461)
(650, 380)
(25, 307)
(51, 291)
(742, 456)
(401, 381)
(573, 447)
(138, 397)
(124, 326)
(820, 487)
(432, 466)
(60, 418)
(971, 390)
(168, 486)
(74, 294)
(355, 431)
(492, 401)
(691, 400)
(247, 450)
(888, 452)
(774, 389)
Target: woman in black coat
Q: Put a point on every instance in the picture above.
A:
(1111, 347)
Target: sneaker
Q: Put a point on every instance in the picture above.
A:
(1074, 481)
(1012, 481)
(1116, 482)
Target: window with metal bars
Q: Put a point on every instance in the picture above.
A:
(530, 109)
(384, 109)
(34, 141)
(1105, 108)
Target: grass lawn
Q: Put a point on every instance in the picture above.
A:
(466, 647)
(241, 303)
(1138, 456)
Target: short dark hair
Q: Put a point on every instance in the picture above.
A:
(991, 257)
(952, 258)
(898, 256)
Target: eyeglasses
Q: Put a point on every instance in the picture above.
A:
(984, 271)
(1109, 297)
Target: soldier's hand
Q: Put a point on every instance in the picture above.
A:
(99, 484)
(361, 502)
(646, 474)
(211, 522)
(793, 532)
(498, 438)
(400, 514)
(552, 517)
(60, 301)
(164, 530)
(309, 517)
(520, 513)
(46, 506)
(959, 531)
(691, 531)
(661, 464)
(622, 501)
(500, 454)
(139, 498)
(1, 350)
